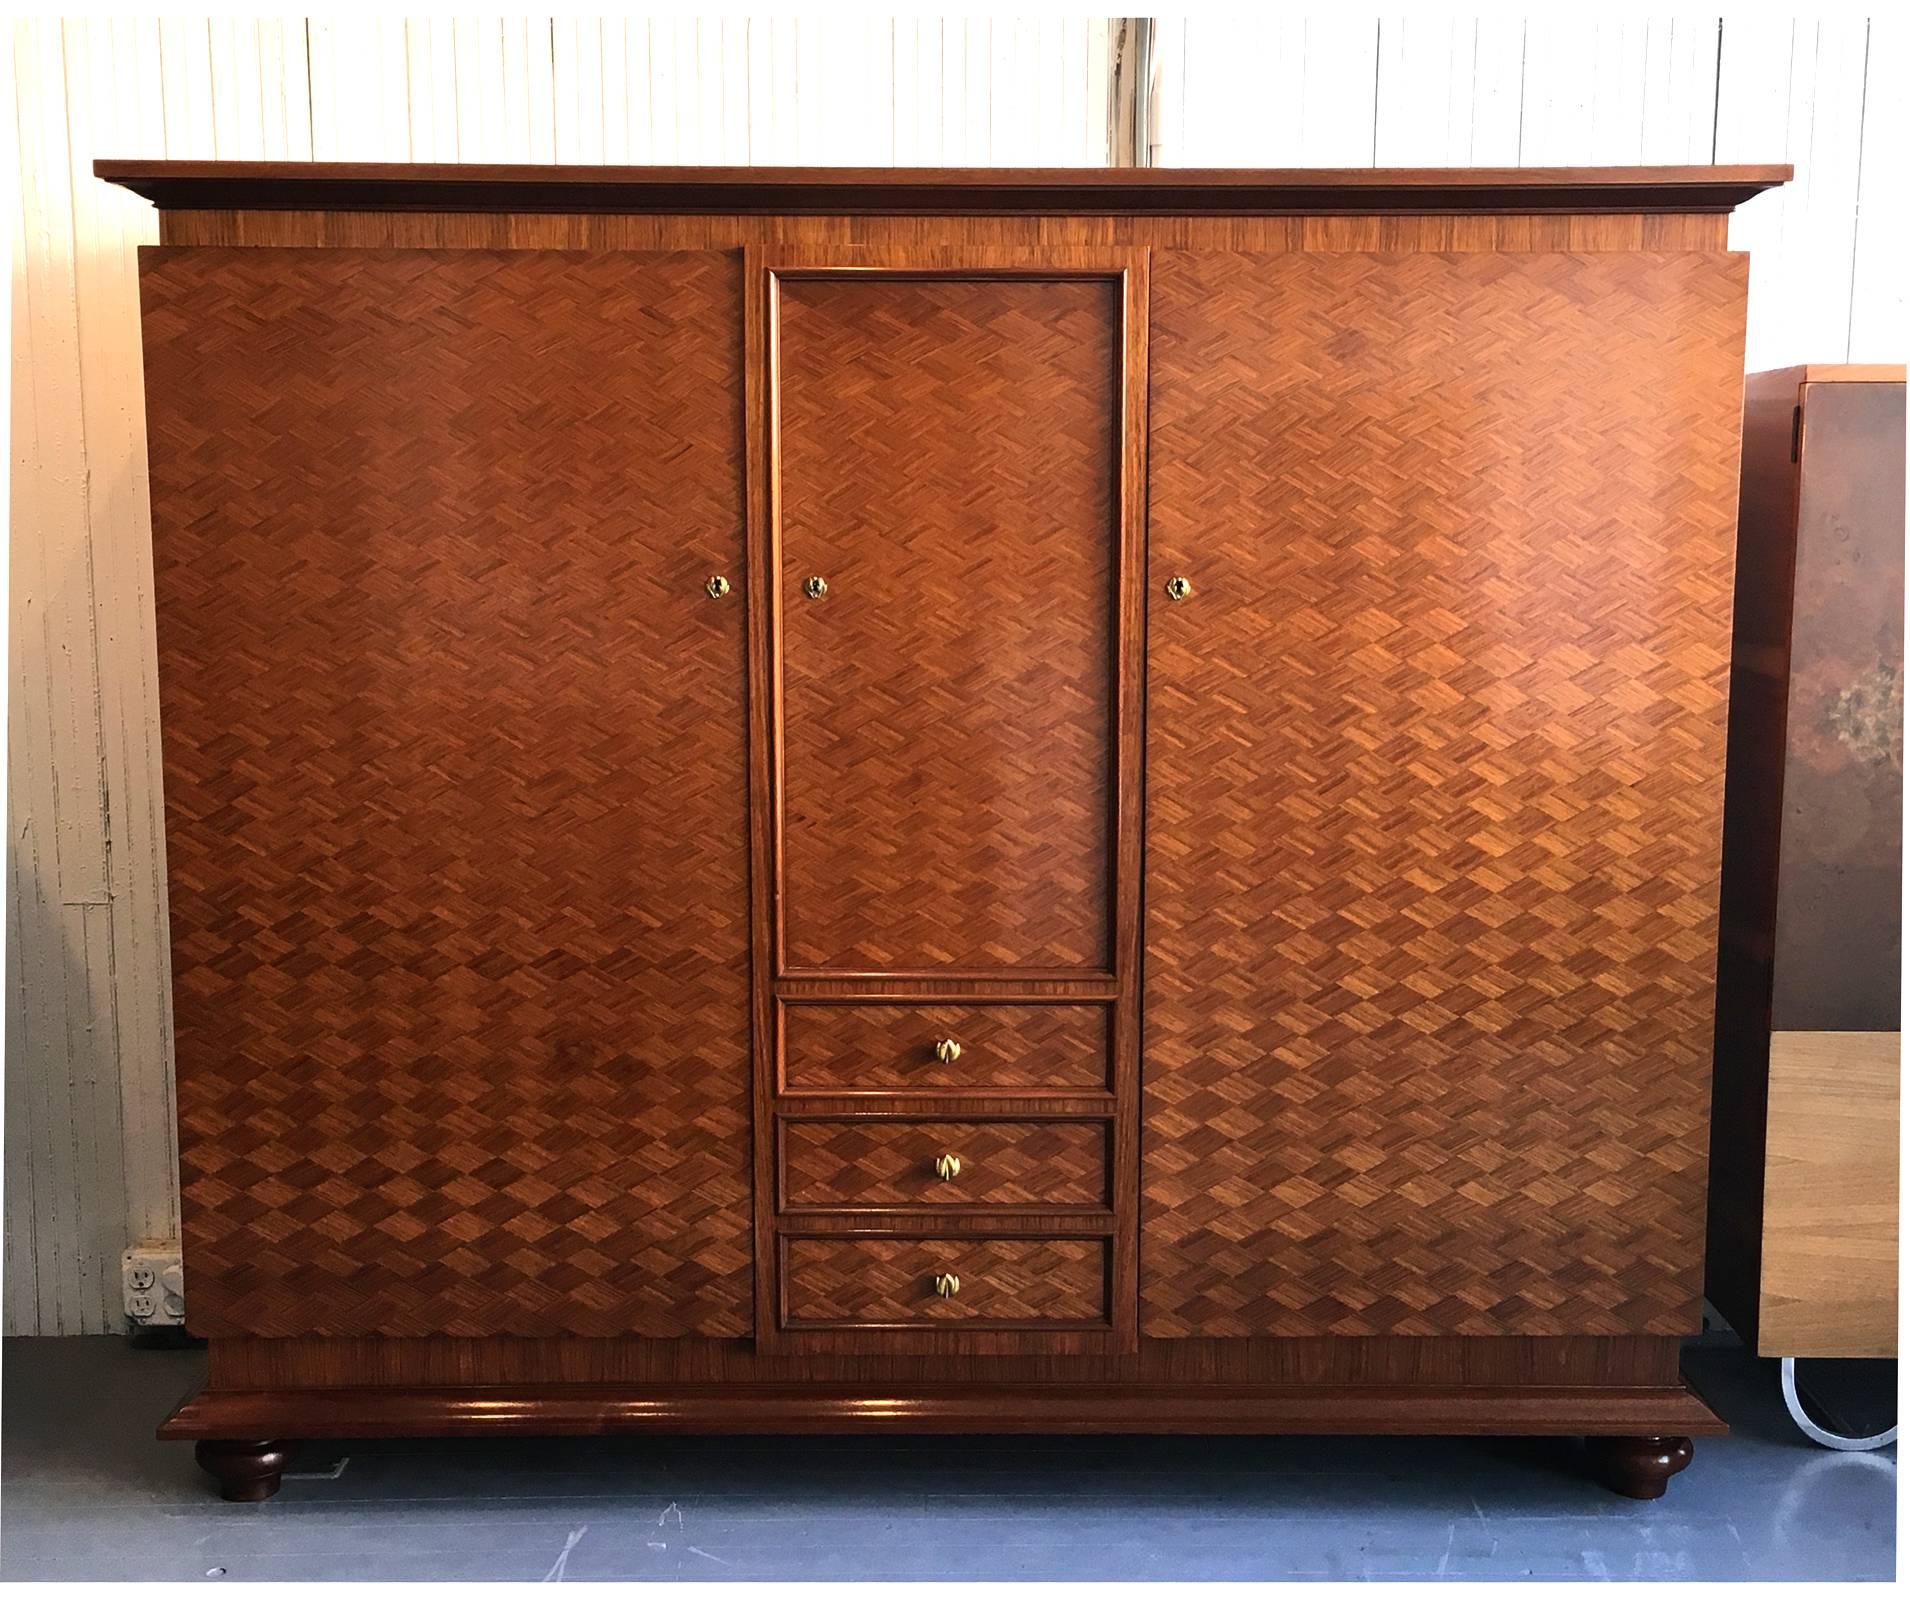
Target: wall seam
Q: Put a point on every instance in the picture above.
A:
(1717, 85)
(104, 1029)
(1857, 204)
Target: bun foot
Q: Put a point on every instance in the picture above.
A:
(246, 1469)
(1638, 1468)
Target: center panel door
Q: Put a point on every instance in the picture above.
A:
(948, 474)
(952, 448)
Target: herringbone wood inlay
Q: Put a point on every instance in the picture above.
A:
(1435, 762)
(887, 1281)
(893, 1047)
(948, 465)
(455, 787)
(883, 1163)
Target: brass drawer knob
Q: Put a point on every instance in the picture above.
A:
(1178, 588)
(947, 1050)
(717, 587)
(948, 1167)
(947, 1285)
(815, 588)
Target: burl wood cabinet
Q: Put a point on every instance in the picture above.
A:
(1803, 1235)
(943, 801)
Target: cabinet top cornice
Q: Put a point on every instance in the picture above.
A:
(933, 191)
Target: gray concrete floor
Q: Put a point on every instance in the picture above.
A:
(86, 1492)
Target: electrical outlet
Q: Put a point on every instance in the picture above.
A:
(154, 1285)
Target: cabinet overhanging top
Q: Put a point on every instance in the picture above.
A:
(933, 191)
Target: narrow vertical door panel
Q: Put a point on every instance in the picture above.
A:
(1435, 762)
(454, 739)
(948, 472)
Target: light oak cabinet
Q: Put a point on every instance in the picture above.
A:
(969, 801)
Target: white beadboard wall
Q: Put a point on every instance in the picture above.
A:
(1825, 94)
(89, 1145)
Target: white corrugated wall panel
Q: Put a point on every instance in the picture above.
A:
(1825, 94)
(1878, 330)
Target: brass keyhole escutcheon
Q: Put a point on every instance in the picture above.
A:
(1178, 588)
(947, 1285)
(717, 587)
(948, 1167)
(947, 1050)
(815, 588)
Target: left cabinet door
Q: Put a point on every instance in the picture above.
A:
(455, 788)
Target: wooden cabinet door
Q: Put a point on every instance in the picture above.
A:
(455, 787)
(948, 471)
(1435, 764)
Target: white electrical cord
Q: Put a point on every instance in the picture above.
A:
(1819, 1435)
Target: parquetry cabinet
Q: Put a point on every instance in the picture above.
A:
(831, 800)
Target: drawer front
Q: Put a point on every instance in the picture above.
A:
(890, 1164)
(992, 1282)
(996, 1047)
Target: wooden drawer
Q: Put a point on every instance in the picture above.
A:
(862, 1283)
(894, 1047)
(879, 1162)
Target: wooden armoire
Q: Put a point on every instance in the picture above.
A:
(829, 800)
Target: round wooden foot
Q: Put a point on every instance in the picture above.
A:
(246, 1469)
(1638, 1468)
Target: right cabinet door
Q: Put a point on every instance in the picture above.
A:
(1435, 743)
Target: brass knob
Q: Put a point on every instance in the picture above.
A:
(717, 587)
(815, 588)
(947, 1167)
(1178, 588)
(947, 1285)
(947, 1050)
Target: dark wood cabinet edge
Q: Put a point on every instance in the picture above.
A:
(794, 191)
(1755, 741)
(970, 1408)
(763, 695)
(1829, 372)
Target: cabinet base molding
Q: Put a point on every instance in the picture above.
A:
(246, 1415)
